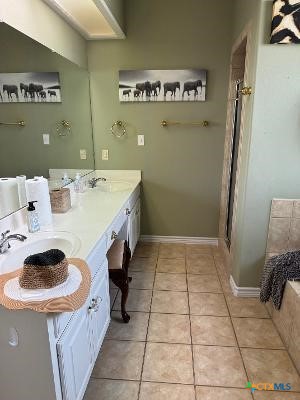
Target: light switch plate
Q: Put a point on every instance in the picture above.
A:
(105, 154)
(46, 138)
(82, 154)
(141, 140)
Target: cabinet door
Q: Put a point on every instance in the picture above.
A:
(131, 232)
(100, 310)
(137, 221)
(134, 226)
(75, 357)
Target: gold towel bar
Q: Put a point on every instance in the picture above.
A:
(19, 123)
(165, 123)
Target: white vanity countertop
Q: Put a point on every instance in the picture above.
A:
(91, 214)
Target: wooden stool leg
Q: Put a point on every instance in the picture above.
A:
(119, 278)
(126, 260)
(124, 290)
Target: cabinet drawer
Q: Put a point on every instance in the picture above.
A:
(116, 227)
(97, 256)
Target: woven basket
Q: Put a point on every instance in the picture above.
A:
(43, 277)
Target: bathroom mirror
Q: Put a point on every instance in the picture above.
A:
(66, 125)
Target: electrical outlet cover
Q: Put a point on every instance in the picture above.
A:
(105, 155)
(141, 140)
(82, 154)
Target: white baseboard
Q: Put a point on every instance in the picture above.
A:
(180, 239)
(243, 291)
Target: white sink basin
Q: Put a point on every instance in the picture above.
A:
(37, 243)
(114, 186)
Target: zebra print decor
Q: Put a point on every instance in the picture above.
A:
(162, 85)
(30, 87)
(286, 21)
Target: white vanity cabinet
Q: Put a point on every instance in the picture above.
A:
(79, 345)
(83, 333)
(75, 358)
(56, 353)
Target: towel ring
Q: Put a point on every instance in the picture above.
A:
(118, 129)
(63, 128)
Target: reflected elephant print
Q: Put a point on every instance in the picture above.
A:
(34, 87)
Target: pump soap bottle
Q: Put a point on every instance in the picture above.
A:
(32, 218)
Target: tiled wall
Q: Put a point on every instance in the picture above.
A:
(284, 235)
(284, 228)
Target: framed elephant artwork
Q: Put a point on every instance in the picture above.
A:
(30, 87)
(286, 21)
(139, 86)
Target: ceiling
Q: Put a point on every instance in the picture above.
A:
(91, 18)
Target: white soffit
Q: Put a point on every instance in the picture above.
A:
(92, 18)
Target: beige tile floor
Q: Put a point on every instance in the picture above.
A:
(188, 338)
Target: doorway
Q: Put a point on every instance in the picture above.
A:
(235, 141)
(232, 148)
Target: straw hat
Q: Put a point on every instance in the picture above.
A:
(48, 282)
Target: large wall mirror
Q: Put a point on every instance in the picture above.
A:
(22, 148)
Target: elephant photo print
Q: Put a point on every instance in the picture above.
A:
(30, 87)
(162, 85)
(286, 21)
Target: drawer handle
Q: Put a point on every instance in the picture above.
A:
(95, 304)
(114, 235)
(92, 309)
(98, 300)
(128, 212)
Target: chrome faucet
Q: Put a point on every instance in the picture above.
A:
(4, 241)
(93, 181)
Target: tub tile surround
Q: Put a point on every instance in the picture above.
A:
(284, 226)
(197, 345)
(283, 236)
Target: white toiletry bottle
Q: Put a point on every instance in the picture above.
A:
(32, 218)
(65, 179)
(78, 184)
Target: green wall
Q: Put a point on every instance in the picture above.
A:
(117, 9)
(245, 16)
(21, 149)
(274, 154)
(181, 166)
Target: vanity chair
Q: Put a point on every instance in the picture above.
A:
(118, 257)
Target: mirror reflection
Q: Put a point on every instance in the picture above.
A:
(55, 141)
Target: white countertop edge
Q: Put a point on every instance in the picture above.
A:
(90, 216)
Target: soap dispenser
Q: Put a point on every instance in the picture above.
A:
(65, 179)
(78, 184)
(32, 218)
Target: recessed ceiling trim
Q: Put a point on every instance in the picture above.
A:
(103, 10)
(67, 17)
(108, 15)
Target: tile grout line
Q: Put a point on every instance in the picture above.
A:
(191, 337)
(196, 344)
(183, 384)
(146, 338)
(237, 342)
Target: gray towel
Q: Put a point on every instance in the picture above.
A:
(277, 271)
